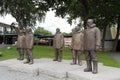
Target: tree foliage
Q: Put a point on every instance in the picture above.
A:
(67, 34)
(26, 12)
(42, 31)
(103, 12)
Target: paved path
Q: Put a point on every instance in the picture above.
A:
(115, 55)
(46, 69)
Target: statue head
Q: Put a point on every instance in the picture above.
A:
(57, 30)
(29, 30)
(90, 22)
(77, 28)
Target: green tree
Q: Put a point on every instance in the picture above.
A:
(67, 34)
(102, 11)
(26, 12)
(42, 31)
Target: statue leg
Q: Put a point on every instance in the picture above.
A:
(79, 58)
(28, 59)
(73, 57)
(21, 53)
(88, 61)
(95, 62)
(30, 56)
(59, 55)
(56, 55)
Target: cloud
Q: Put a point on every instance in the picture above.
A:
(52, 22)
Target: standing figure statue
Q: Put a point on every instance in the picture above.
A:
(58, 43)
(77, 45)
(21, 43)
(92, 40)
(29, 42)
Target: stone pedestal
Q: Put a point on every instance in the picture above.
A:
(47, 69)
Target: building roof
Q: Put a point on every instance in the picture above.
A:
(4, 24)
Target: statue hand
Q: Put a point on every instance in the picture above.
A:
(97, 47)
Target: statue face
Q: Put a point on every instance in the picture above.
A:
(57, 30)
(29, 30)
(77, 28)
(89, 22)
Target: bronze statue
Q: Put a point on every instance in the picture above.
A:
(77, 45)
(58, 43)
(29, 42)
(92, 40)
(21, 43)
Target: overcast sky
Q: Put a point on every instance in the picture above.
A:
(51, 22)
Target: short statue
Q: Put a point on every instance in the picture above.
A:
(21, 43)
(29, 42)
(77, 45)
(58, 43)
(92, 40)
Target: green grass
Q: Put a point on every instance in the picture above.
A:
(48, 52)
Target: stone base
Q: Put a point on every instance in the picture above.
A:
(47, 69)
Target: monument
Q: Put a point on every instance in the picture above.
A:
(21, 43)
(92, 43)
(77, 45)
(29, 42)
(58, 43)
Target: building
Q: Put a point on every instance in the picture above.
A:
(111, 32)
(67, 41)
(8, 35)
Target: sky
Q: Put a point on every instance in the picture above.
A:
(51, 22)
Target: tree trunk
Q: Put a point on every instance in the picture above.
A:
(103, 39)
(117, 36)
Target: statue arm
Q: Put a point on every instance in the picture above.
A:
(98, 38)
(62, 41)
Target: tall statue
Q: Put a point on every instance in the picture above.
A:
(77, 45)
(58, 43)
(29, 42)
(92, 41)
(21, 43)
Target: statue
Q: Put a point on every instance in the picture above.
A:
(29, 42)
(21, 43)
(77, 45)
(58, 43)
(92, 42)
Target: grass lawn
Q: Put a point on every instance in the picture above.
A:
(48, 52)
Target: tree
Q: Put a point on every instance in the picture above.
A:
(42, 31)
(26, 12)
(103, 11)
(67, 34)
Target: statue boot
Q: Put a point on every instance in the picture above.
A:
(21, 54)
(89, 67)
(27, 61)
(60, 57)
(74, 61)
(79, 60)
(21, 57)
(56, 57)
(31, 61)
(95, 67)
